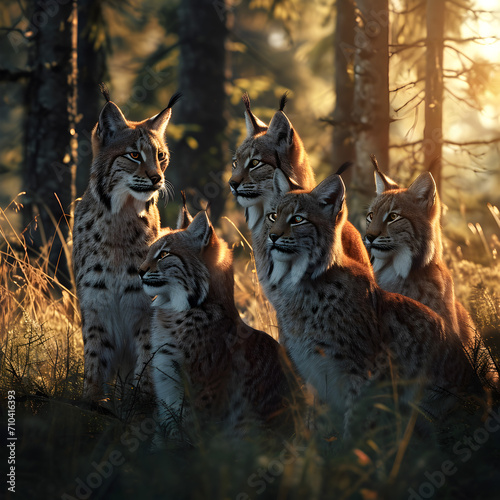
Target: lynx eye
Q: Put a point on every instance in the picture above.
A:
(297, 219)
(234, 164)
(393, 216)
(369, 217)
(255, 163)
(161, 155)
(163, 254)
(272, 216)
(134, 155)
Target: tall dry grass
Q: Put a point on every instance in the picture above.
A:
(41, 358)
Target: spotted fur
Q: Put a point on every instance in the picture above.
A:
(338, 326)
(266, 149)
(403, 237)
(115, 222)
(206, 361)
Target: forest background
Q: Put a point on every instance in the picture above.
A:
(407, 80)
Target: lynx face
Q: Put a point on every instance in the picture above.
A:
(301, 236)
(253, 170)
(265, 149)
(400, 225)
(174, 270)
(130, 157)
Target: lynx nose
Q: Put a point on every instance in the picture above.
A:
(370, 237)
(274, 237)
(234, 186)
(142, 272)
(155, 178)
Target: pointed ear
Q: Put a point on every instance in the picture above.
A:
(111, 121)
(201, 228)
(281, 129)
(281, 186)
(160, 121)
(253, 124)
(184, 218)
(330, 193)
(424, 188)
(382, 181)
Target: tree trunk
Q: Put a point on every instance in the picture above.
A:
(343, 140)
(433, 130)
(199, 159)
(371, 99)
(50, 140)
(92, 71)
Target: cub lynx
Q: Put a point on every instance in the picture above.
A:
(115, 222)
(265, 149)
(403, 236)
(338, 326)
(205, 359)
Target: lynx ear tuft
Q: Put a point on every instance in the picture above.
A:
(104, 91)
(184, 218)
(160, 121)
(343, 167)
(283, 100)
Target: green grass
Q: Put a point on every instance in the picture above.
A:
(67, 449)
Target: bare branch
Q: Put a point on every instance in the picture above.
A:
(420, 42)
(474, 143)
(459, 53)
(410, 100)
(402, 48)
(406, 85)
(475, 39)
(463, 100)
(406, 145)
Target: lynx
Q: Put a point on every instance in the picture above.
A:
(265, 149)
(403, 236)
(337, 325)
(206, 361)
(115, 222)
